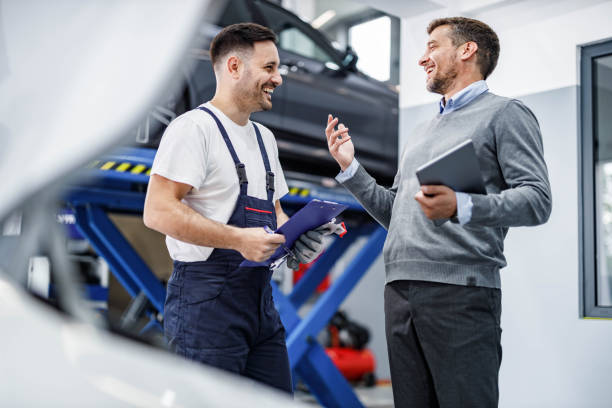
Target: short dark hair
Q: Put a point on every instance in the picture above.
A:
(239, 36)
(467, 29)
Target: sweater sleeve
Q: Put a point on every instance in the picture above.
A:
(527, 199)
(377, 200)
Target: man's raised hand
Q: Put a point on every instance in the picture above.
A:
(339, 142)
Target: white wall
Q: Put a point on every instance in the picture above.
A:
(552, 357)
(538, 45)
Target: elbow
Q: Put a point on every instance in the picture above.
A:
(149, 219)
(547, 212)
(542, 214)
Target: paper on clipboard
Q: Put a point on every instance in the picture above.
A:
(309, 217)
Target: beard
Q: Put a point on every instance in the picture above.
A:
(251, 97)
(443, 81)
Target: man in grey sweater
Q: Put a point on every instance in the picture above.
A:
(442, 293)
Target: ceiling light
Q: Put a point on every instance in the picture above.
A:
(322, 19)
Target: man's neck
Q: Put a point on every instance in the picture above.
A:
(459, 85)
(229, 107)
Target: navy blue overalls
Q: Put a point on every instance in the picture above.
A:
(223, 315)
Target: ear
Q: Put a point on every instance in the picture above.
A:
(468, 49)
(233, 66)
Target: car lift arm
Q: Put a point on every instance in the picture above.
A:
(113, 190)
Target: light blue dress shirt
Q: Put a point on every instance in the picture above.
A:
(463, 97)
(457, 101)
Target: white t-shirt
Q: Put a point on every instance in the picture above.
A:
(192, 151)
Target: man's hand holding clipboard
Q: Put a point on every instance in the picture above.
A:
(310, 244)
(310, 218)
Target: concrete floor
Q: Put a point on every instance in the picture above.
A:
(380, 396)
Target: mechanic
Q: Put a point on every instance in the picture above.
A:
(442, 293)
(215, 184)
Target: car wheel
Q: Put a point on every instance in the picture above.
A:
(369, 379)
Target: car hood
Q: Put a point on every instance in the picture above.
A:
(51, 360)
(77, 76)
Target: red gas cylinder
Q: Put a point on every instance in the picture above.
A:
(353, 364)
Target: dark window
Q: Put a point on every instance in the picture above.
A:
(293, 35)
(596, 180)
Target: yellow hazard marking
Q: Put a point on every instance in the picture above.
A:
(139, 168)
(293, 190)
(148, 173)
(123, 167)
(107, 165)
(304, 193)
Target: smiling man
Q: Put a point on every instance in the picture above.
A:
(215, 183)
(442, 293)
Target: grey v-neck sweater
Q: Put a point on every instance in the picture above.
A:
(508, 143)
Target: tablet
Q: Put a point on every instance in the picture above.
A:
(456, 168)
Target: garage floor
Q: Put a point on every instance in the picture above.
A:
(380, 396)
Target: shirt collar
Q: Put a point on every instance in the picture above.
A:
(463, 97)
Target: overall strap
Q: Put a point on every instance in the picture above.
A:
(240, 170)
(264, 156)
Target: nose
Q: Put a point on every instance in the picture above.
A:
(277, 79)
(423, 60)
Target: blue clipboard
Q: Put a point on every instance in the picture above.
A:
(309, 217)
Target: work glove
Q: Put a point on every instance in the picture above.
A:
(310, 244)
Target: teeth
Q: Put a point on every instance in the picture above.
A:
(268, 90)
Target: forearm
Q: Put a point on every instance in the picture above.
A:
(281, 218)
(377, 200)
(520, 206)
(181, 222)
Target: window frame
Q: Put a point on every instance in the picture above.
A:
(330, 58)
(296, 22)
(587, 199)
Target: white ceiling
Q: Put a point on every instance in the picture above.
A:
(511, 9)
(403, 8)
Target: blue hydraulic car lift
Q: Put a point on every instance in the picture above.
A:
(117, 183)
